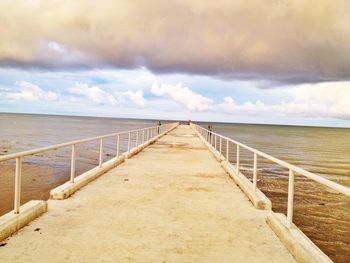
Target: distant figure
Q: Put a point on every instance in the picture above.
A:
(158, 128)
(189, 122)
(210, 131)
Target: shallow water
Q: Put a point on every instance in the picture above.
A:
(45, 171)
(322, 214)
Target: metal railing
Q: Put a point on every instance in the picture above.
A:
(141, 136)
(213, 138)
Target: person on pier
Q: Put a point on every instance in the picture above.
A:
(210, 131)
(158, 126)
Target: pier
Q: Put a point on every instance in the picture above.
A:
(171, 198)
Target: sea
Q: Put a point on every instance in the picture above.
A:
(322, 214)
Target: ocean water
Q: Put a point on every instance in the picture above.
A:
(323, 215)
(45, 171)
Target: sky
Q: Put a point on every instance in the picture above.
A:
(256, 61)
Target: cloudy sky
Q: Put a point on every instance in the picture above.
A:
(256, 61)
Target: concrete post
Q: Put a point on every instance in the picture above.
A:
(72, 165)
(290, 198)
(18, 178)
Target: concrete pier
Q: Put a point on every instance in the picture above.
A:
(172, 202)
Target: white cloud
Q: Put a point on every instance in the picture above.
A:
(229, 105)
(182, 95)
(326, 103)
(136, 98)
(327, 99)
(96, 95)
(93, 93)
(28, 92)
(323, 100)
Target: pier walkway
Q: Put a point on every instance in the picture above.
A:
(172, 202)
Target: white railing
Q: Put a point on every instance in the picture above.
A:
(211, 138)
(141, 136)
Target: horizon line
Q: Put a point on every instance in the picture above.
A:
(179, 120)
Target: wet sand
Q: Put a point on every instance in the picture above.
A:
(45, 171)
(322, 214)
(325, 220)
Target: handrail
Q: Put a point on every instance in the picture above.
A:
(209, 136)
(142, 135)
(62, 145)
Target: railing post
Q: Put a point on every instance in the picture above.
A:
(101, 153)
(18, 178)
(143, 136)
(237, 160)
(290, 198)
(137, 138)
(255, 171)
(72, 164)
(227, 154)
(117, 145)
(129, 142)
(212, 139)
(220, 145)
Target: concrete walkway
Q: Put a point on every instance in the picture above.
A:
(169, 203)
